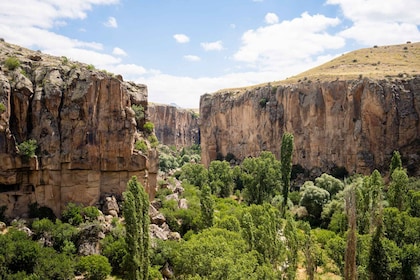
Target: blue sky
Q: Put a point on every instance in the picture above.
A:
(185, 48)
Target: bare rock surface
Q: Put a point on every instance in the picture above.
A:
(84, 126)
(356, 124)
(175, 126)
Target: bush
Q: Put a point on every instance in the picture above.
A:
(95, 267)
(138, 111)
(2, 108)
(154, 142)
(141, 146)
(72, 214)
(27, 148)
(90, 213)
(12, 63)
(148, 127)
(263, 102)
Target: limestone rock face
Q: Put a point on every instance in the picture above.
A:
(355, 124)
(175, 126)
(84, 127)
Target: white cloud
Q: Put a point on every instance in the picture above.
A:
(111, 22)
(271, 18)
(181, 38)
(378, 22)
(212, 46)
(119, 51)
(288, 42)
(192, 58)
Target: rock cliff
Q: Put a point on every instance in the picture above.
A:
(355, 124)
(175, 126)
(84, 127)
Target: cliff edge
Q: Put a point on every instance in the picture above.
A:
(84, 127)
(338, 119)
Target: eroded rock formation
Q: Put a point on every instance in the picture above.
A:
(175, 126)
(355, 124)
(84, 127)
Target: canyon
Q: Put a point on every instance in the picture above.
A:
(175, 126)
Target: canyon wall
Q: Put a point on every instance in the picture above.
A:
(84, 127)
(356, 124)
(175, 126)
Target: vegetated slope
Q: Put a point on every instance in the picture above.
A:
(377, 62)
(352, 112)
(84, 129)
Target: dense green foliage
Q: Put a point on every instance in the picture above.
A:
(232, 226)
(28, 148)
(286, 165)
(136, 215)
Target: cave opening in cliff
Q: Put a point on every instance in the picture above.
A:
(9, 188)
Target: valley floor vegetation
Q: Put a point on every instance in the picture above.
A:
(239, 222)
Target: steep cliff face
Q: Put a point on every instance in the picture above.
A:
(84, 127)
(175, 126)
(356, 124)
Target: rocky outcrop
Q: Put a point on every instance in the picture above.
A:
(175, 126)
(84, 127)
(355, 124)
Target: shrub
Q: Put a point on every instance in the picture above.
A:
(141, 146)
(2, 108)
(72, 214)
(12, 63)
(95, 267)
(263, 102)
(148, 127)
(138, 111)
(90, 67)
(154, 142)
(64, 60)
(27, 148)
(90, 213)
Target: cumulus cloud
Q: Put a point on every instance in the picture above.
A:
(111, 22)
(181, 38)
(119, 52)
(377, 22)
(192, 58)
(288, 42)
(212, 46)
(271, 18)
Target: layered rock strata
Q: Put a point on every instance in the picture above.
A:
(175, 126)
(356, 124)
(85, 130)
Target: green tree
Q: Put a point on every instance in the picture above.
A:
(220, 178)
(136, 215)
(395, 162)
(383, 259)
(207, 207)
(397, 192)
(313, 199)
(286, 166)
(95, 267)
(53, 265)
(260, 178)
(195, 174)
(329, 183)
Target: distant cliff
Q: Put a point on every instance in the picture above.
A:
(84, 127)
(175, 126)
(355, 124)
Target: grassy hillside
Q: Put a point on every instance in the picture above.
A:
(378, 62)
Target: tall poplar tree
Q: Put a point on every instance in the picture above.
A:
(207, 206)
(286, 165)
(136, 215)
